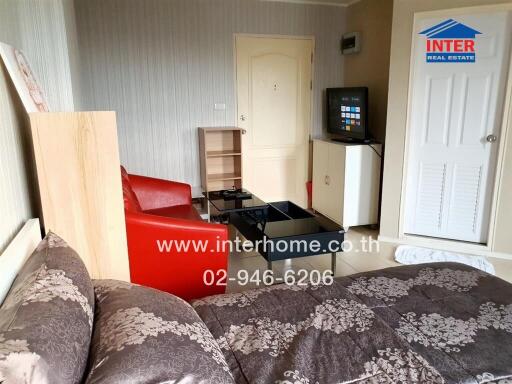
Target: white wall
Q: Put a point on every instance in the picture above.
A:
(38, 28)
(161, 65)
(370, 67)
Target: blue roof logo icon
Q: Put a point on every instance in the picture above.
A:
(450, 29)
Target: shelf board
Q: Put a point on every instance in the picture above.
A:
(223, 153)
(224, 176)
(220, 129)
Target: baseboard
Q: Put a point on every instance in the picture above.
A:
(501, 255)
(446, 245)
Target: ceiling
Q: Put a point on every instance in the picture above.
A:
(337, 3)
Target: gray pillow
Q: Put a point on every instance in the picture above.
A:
(142, 335)
(46, 319)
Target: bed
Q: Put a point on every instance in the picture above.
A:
(16, 253)
(429, 323)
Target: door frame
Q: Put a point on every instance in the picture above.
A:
(309, 130)
(456, 245)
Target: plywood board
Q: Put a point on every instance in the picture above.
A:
(77, 161)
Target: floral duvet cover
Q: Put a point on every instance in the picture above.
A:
(428, 323)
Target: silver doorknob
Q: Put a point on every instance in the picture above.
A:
(491, 138)
(242, 117)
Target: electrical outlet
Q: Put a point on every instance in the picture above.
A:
(219, 106)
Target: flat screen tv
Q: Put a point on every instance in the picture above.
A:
(347, 113)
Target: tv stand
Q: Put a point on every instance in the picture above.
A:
(346, 181)
(351, 141)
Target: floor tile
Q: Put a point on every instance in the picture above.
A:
(503, 268)
(361, 258)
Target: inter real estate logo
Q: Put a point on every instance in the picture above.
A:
(450, 42)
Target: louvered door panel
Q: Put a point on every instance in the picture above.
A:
(464, 215)
(431, 187)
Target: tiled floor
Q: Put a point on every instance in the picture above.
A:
(347, 262)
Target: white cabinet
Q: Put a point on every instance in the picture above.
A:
(346, 182)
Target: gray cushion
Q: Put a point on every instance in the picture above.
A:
(46, 319)
(142, 335)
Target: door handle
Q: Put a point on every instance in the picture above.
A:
(491, 138)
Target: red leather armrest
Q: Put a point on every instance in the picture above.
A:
(155, 193)
(176, 227)
(178, 271)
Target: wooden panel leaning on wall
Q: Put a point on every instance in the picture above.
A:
(77, 160)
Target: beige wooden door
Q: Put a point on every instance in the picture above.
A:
(274, 107)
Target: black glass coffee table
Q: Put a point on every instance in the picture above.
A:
(280, 230)
(223, 204)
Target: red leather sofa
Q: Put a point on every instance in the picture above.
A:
(158, 210)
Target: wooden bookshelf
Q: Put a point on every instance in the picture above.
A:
(224, 176)
(220, 151)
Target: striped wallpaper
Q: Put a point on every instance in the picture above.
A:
(162, 64)
(39, 29)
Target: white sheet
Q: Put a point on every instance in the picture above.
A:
(407, 254)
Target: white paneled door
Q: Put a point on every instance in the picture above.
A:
(274, 107)
(460, 65)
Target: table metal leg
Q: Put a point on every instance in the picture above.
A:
(333, 263)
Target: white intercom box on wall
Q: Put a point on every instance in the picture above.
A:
(351, 43)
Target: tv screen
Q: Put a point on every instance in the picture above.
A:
(347, 112)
